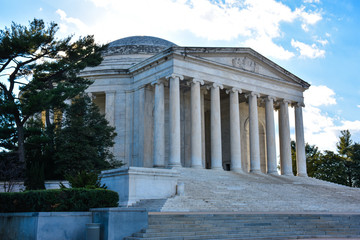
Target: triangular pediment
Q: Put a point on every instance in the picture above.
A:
(247, 60)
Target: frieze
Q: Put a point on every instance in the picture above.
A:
(246, 64)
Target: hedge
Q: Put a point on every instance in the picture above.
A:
(58, 200)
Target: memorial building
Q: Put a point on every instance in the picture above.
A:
(198, 107)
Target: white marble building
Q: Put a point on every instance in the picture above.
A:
(199, 107)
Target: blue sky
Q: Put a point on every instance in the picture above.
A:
(317, 40)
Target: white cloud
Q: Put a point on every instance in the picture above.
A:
(267, 47)
(322, 42)
(310, 51)
(319, 96)
(358, 106)
(321, 129)
(256, 22)
(308, 17)
(311, 1)
(70, 21)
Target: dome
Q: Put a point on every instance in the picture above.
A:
(138, 45)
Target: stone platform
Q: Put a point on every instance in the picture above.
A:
(206, 190)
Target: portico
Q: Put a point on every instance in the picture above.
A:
(200, 107)
(252, 100)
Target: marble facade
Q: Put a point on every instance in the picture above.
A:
(199, 107)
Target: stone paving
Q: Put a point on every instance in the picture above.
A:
(214, 190)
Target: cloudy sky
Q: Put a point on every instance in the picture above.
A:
(317, 40)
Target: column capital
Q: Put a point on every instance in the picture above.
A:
(159, 81)
(268, 98)
(234, 90)
(283, 100)
(215, 85)
(195, 80)
(298, 104)
(174, 76)
(252, 94)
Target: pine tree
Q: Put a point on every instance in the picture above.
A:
(344, 147)
(84, 140)
(44, 69)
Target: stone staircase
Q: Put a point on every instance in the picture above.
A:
(226, 205)
(208, 190)
(176, 226)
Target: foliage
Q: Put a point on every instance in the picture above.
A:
(44, 69)
(35, 176)
(344, 147)
(83, 142)
(75, 199)
(11, 170)
(84, 179)
(342, 167)
(331, 167)
(355, 156)
(312, 155)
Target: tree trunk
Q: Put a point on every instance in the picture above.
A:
(21, 143)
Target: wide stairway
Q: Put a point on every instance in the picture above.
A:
(221, 191)
(176, 226)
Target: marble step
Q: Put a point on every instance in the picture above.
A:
(249, 226)
(241, 237)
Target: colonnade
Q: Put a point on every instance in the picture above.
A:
(197, 131)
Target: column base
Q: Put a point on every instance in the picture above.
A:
(288, 174)
(197, 167)
(159, 166)
(237, 170)
(301, 175)
(273, 173)
(174, 166)
(256, 171)
(217, 168)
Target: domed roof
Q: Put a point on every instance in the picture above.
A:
(138, 45)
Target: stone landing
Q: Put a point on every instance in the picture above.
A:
(206, 190)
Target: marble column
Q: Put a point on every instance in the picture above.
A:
(300, 142)
(215, 119)
(270, 135)
(159, 123)
(235, 141)
(254, 133)
(203, 91)
(110, 107)
(196, 143)
(285, 142)
(174, 120)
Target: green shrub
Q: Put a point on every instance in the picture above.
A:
(84, 179)
(56, 200)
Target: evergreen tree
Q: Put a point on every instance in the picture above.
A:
(84, 139)
(344, 147)
(331, 167)
(312, 155)
(44, 69)
(355, 156)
